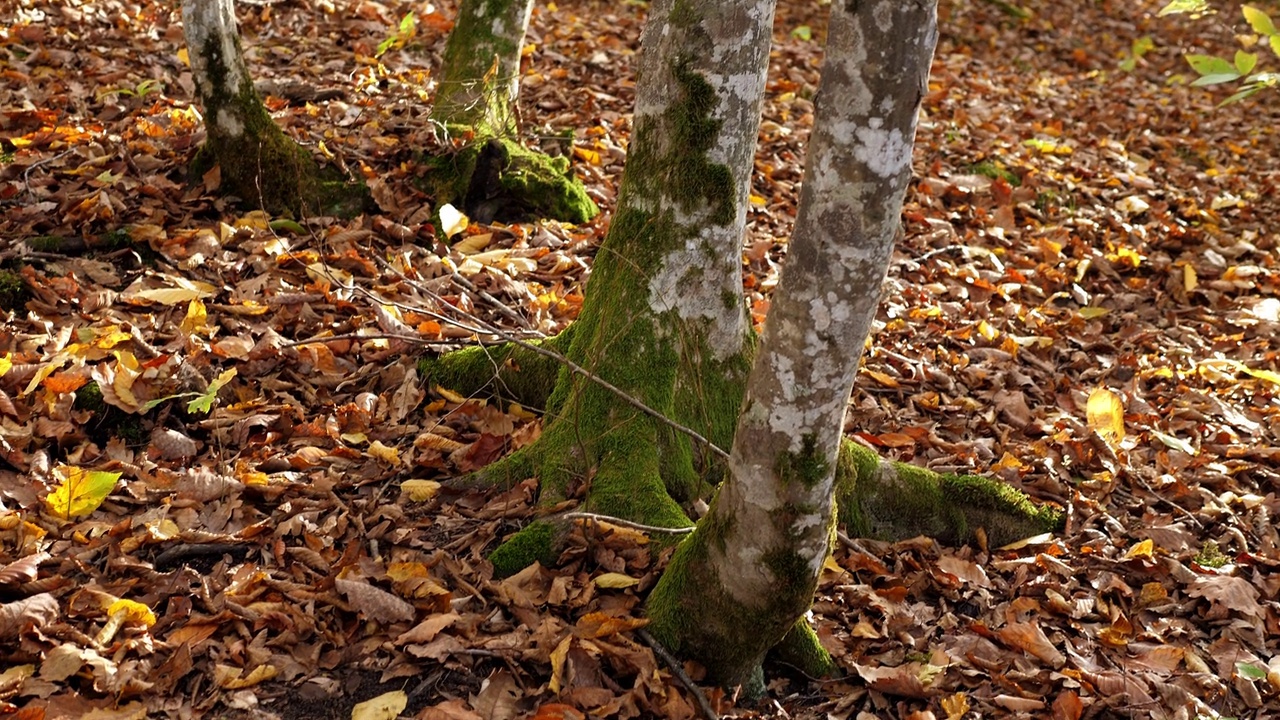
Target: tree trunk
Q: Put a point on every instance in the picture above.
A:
(492, 176)
(480, 80)
(664, 318)
(748, 573)
(257, 162)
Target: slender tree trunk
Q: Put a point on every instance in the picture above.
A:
(257, 162)
(664, 318)
(480, 80)
(741, 582)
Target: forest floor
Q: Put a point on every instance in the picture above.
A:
(1086, 304)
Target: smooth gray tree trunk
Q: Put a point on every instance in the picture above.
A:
(480, 80)
(748, 573)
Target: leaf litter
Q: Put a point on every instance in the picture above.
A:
(1084, 304)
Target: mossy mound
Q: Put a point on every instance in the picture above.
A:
(13, 291)
(500, 179)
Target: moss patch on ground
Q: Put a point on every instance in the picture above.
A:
(500, 179)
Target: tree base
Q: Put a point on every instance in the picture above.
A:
(275, 174)
(500, 179)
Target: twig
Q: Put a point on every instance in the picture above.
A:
(184, 551)
(625, 523)
(505, 336)
(676, 669)
(26, 173)
(502, 308)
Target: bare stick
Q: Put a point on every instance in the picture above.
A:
(676, 669)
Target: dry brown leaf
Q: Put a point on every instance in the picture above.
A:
(37, 610)
(1233, 593)
(22, 570)
(1029, 638)
(374, 602)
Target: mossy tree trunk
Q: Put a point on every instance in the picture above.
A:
(748, 573)
(480, 80)
(492, 176)
(664, 318)
(257, 162)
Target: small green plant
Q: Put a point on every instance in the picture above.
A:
(141, 90)
(1214, 70)
(1140, 47)
(1210, 556)
(993, 170)
(405, 32)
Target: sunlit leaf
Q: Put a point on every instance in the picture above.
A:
(420, 490)
(204, 402)
(1245, 62)
(80, 492)
(133, 611)
(1105, 414)
(452, 221)
(386, 706)
(614, 580)
(1174, 442)
(1184, 6)
(1259, 20)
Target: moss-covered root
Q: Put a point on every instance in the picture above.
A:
(894, 500)
(626, 482)
(498, 178)
(801, 649)
(509, 371)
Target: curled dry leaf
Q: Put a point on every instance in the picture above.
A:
(173, 445)
(37, 610)
(22, 570)
(1029, 638)
(375, 603)
(1233, 593)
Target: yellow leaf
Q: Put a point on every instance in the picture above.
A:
(1189, 281)
(1089, 313)
(80, 492)
(1267, 375)
(183, 57)
(588, 156)
(6, 363)
(386, 706)
(614, 580)
(170, 296)
(1144, 550)
(230, 678)
(420, 490)
(196, 319)
(886, 380)
(955, 706)
(474, 244)
(388, 455)
(134, 611)
(756, 200)
(558, 657)
(1105, 414)
(450, 395)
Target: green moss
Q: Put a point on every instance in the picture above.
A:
(89, 397)
(47, 243)
(807, 467)
(1210, 556)
(508, 370)
(472, 90)
(894, 500)
(994, 170)
(801, 649)
(14, 293)
(536, 542)
(498, 178)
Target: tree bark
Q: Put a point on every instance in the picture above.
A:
(480, 79)
(757, 555)
(257, 162)
(664, 318)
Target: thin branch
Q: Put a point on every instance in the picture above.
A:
(678, 670)
(625, 523)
